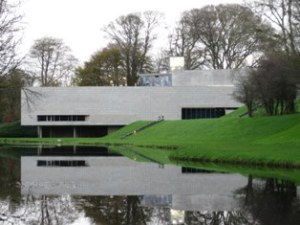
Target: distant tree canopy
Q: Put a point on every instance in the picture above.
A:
(105, 68)
(219, 37)
(284, 16)
(273, 85)
(52, 61)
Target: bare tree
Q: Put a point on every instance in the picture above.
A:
(245, 92)
(219, 37)
(134, 35)
(284, 15)
(53, 62)
(185, 41)
(9, 27)
(162, 62)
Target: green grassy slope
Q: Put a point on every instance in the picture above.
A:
(263, 130)
(260, 140)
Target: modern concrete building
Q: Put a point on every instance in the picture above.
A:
(96, 111)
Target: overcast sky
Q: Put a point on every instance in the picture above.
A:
(79, 22)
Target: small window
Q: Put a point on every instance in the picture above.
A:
(43, 118)
(61, 163)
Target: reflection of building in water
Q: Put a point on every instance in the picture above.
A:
(74, 151)
(116, 176)
(156, 200)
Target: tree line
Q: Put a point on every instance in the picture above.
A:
(260, 34)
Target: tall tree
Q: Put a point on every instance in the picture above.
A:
(245, 92)
(104, 68)
(9, 27)
(53, 62)
(284, 15)
(219, 37)
(134, 34)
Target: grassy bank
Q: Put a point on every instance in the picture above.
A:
(271, 141)
(161, 156)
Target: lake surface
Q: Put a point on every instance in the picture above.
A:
(91, 186)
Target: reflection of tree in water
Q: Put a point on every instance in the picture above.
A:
(15, 209)
(56, 211)
(42, 210)
(217, 218)
(10, 179)
(263, 202)
(272, 201)
(116, 210)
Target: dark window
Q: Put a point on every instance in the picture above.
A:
(61, 163)
(200, 113)
(41, 118)
(194, 170)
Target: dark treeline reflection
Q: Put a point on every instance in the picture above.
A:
(271, 201)
(218, 218)
(10, 179)
(262, 202)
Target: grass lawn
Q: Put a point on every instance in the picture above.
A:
(260, 140)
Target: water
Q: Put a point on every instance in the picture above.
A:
(66, 186)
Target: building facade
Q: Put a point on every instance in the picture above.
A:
(97, 111)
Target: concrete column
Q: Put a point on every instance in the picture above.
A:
(40, 131)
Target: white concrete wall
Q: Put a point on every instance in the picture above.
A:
(206, 77)
(120, 105)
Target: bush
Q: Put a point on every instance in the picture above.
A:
(15, 129)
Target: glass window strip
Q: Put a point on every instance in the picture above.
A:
(58, 118)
